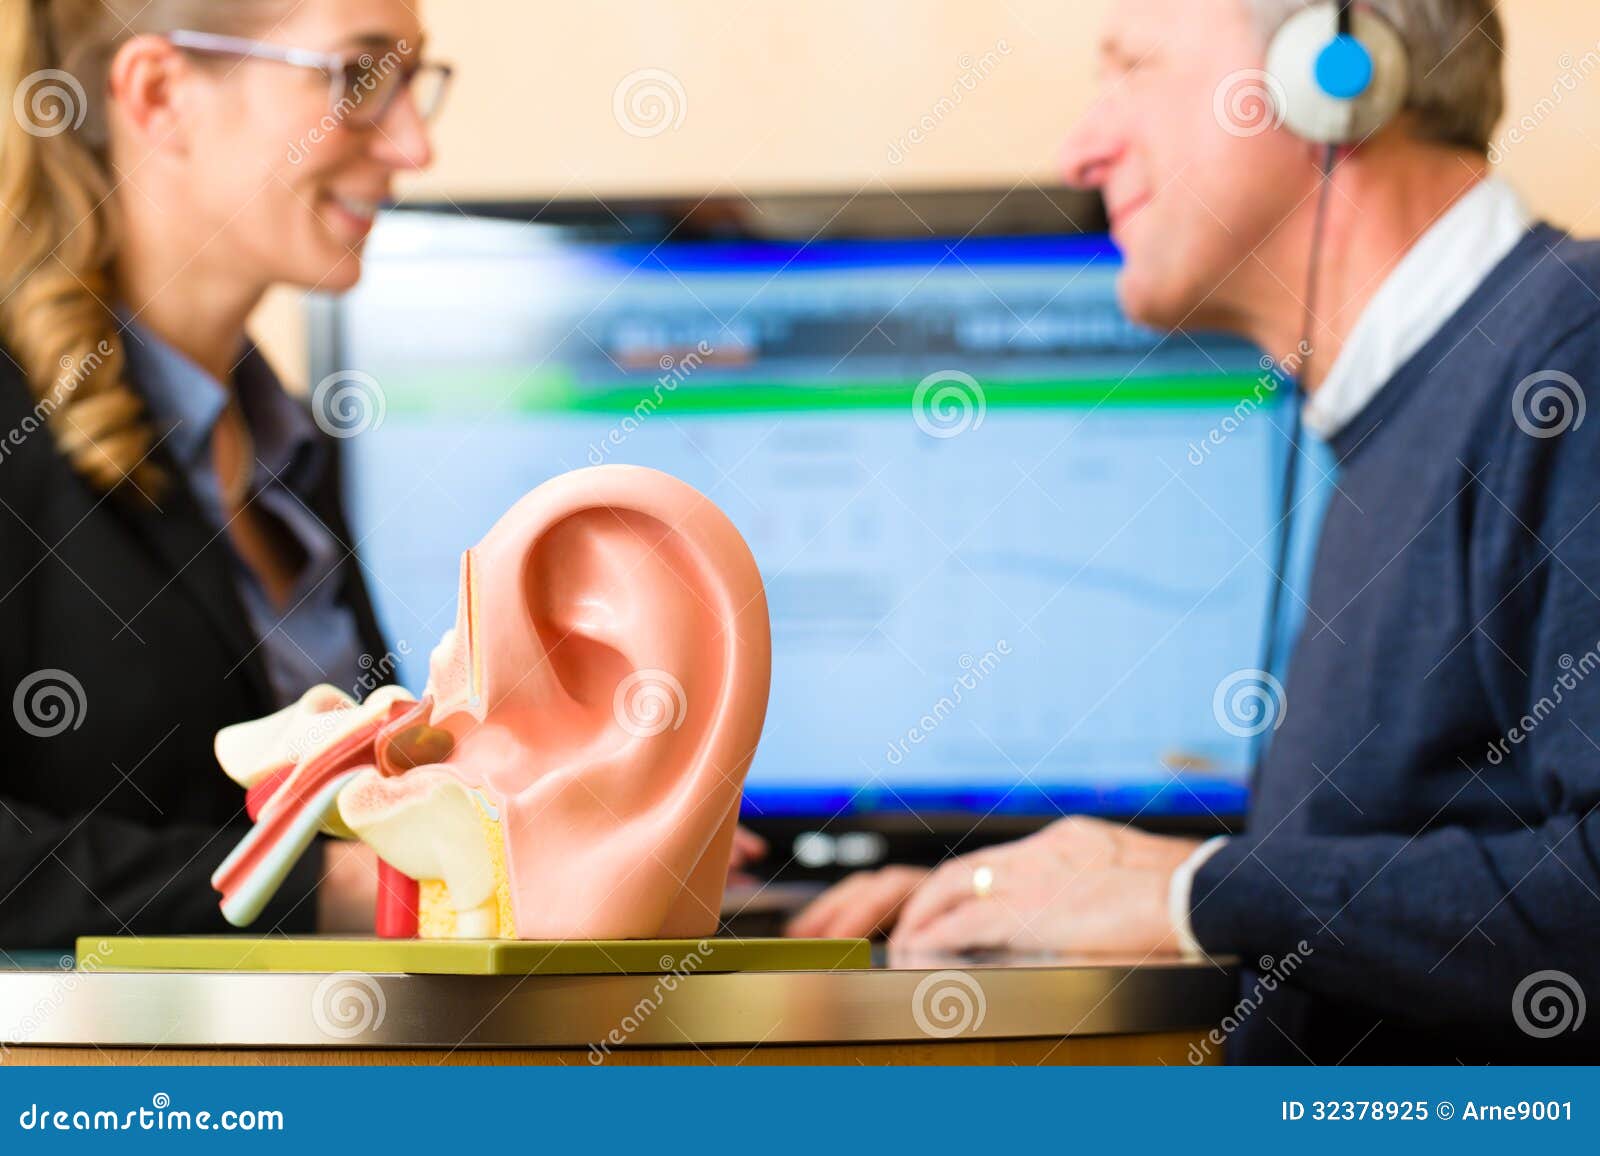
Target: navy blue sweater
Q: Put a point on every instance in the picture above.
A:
(1423, 834)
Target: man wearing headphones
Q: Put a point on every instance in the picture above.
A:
(1423, 842)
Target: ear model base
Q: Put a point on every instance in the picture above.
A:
(1338, 88)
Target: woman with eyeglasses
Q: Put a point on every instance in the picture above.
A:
(173, 557)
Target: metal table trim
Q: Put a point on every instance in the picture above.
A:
(355, 1010)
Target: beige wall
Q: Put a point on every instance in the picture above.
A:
(779, 96)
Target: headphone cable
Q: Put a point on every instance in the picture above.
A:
(1291, 467)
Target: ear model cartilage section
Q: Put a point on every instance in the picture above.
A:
(1342, 71)
(469, 591)
(252, 874)
(257, 867)
(431, 828)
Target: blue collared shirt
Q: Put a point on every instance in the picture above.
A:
(313, 638)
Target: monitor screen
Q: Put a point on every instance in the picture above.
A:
(1014, 546)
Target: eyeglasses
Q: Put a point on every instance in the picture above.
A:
(362, 85)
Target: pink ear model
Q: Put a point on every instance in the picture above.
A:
(575, 766)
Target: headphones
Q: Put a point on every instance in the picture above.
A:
(1342, 71)
(1341, 74)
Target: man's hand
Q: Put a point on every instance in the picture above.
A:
(1080, 885)
(864, 904)
(747, 848)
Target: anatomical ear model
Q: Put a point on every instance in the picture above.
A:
(573, 768)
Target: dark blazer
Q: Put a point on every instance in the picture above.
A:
(113, 822)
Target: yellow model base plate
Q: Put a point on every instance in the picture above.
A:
(470, 956)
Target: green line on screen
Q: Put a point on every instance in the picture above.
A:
(507, 391)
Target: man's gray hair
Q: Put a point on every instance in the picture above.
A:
(1457, 62)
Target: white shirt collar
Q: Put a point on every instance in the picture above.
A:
(1431, 282)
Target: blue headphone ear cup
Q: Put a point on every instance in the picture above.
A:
(1344, 68)
(1318, 74)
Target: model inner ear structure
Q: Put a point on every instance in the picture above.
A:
(574, 766)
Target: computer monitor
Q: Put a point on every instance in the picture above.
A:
(1014, 545)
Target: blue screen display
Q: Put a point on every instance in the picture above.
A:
(1014, 545)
